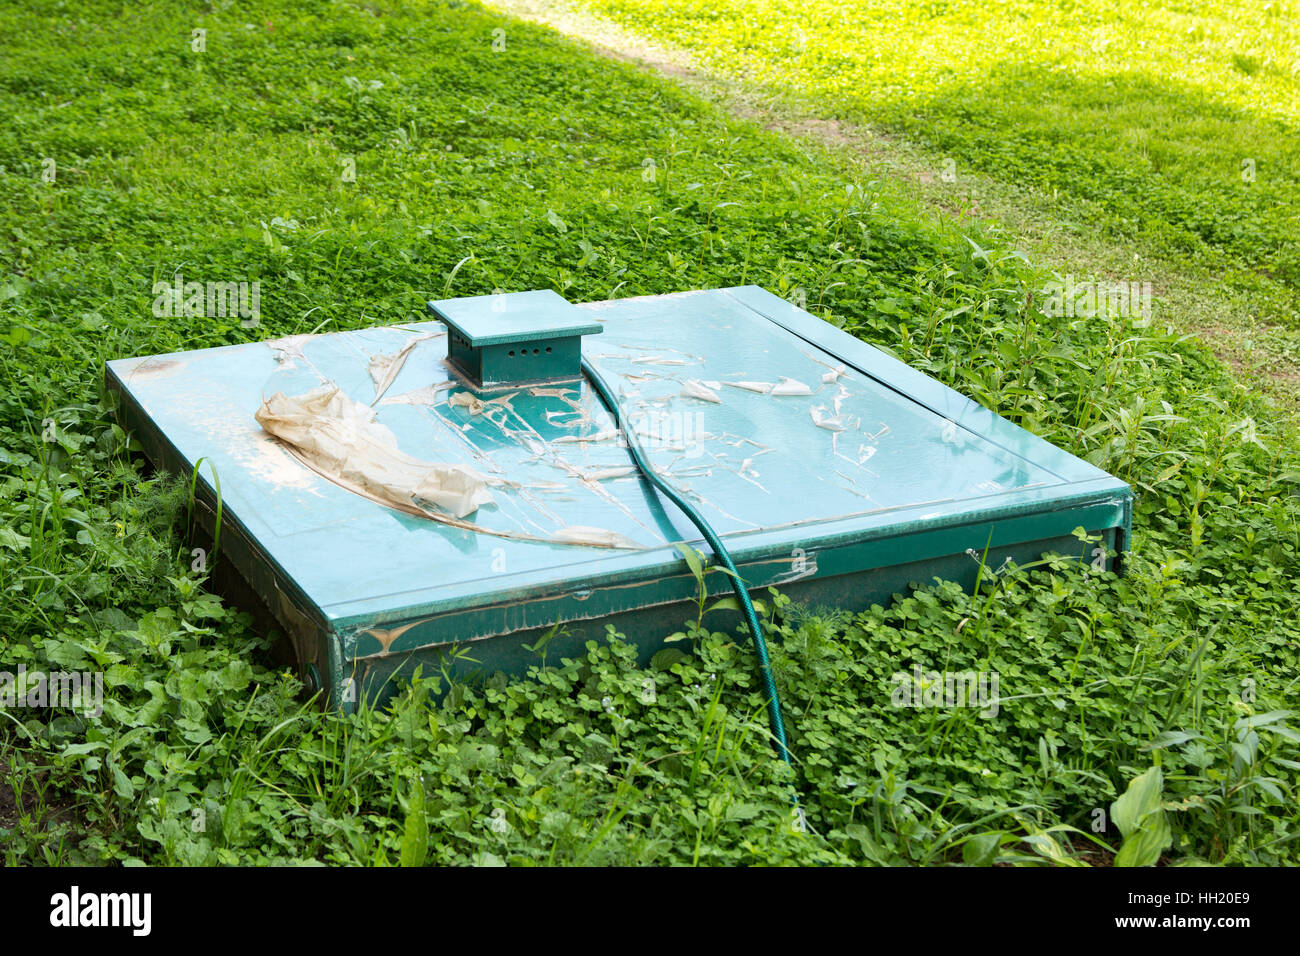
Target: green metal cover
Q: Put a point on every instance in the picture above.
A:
(832, 471)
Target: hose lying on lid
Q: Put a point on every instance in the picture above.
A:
(719, 550)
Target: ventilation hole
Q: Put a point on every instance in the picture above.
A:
(537, 351)
(548, 350)
(511, 353)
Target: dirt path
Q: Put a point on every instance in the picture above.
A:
(1264, 357)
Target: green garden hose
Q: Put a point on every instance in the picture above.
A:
(719, 550)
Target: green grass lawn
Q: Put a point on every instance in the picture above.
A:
(1178, 124)
(1116, 144)
(517, 160)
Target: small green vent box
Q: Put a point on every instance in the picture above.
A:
(514, 338)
